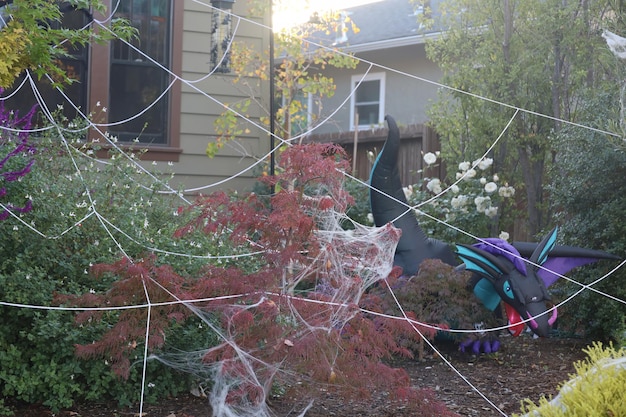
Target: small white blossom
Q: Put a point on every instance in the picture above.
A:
(434, 186)
(503, 235)
(491, 211)
(470, 173)
(454, 188)
(506, 191)
(408, 191)
(464, 166)
(490, 187)
(370, 218)
(482, 203)
(459, 202)
(484, 163)
(496, 178)
(430, 158)
(483, 180)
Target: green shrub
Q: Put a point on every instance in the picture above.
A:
(597, 388)
(89, 212)
(588, 197)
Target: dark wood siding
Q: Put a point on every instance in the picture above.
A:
(416, 140)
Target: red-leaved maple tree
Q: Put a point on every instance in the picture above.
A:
(300, 315)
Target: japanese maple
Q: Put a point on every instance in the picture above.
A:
(295, 313)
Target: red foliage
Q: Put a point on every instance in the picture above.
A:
(312, 335)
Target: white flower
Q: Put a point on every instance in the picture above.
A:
(483, 180)
(370, 218)
(464, 166)
(482, 203)
(454, 188)
(496, 178)
(408, 191)
(458, 202)
(430, 158)
(490, 187)
(484, 163)
(434, 186)
(471, 173)
(506, 191)
(491, 211)
(503, 235)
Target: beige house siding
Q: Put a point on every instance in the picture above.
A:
(410, 88)
(200, 106)
(407, 94)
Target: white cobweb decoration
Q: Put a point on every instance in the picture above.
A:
(238, 377)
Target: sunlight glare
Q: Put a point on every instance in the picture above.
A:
(289, 13)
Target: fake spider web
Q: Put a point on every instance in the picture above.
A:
(348, 263)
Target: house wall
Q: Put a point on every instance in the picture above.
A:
(410, 86)
(202, 101)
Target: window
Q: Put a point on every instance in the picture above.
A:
(368, 100)
(75, 65)
(140, 105)
(134, 88)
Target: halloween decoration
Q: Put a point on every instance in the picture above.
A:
(516, 275)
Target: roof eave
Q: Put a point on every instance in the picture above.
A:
(390, 43)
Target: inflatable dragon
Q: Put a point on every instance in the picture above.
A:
(516, 274)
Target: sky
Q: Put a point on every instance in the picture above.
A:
(293, 12)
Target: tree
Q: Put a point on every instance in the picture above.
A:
(296, 314)
(296, 77)
(537, 56)
(31, 37)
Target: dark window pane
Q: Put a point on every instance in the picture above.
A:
(368, 91)
(151, 19)
(368, 114)
(136, 81)
(133, 89)
(75, 66)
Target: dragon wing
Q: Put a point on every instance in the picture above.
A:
(561, 259)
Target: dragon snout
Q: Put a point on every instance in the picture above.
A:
(541, 318)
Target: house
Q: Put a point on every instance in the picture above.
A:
(164, 90)
(394, 77)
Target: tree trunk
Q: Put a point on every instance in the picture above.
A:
(532, 169)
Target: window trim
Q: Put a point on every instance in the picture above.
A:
(99, 67)
(375, 76)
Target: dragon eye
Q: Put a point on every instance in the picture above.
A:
(506, 287)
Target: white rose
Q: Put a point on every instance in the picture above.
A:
(430, 158)
(490, 187)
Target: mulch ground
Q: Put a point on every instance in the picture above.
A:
(523, 368)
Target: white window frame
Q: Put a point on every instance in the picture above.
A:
(376, 76)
